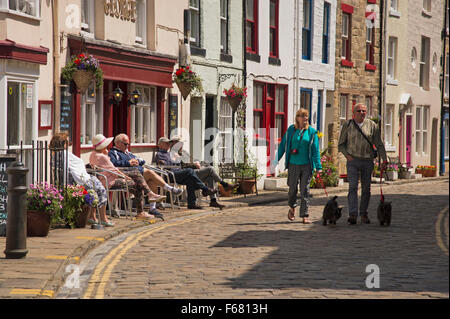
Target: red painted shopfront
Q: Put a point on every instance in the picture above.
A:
(121, 66)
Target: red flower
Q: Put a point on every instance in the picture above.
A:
(178, 73)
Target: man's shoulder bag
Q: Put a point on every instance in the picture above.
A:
(372, 147)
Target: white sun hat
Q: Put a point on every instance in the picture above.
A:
(100, 141)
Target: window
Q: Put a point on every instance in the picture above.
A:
(346, 36)
(413, 57)
(306, 101)
(143, 117)
(225, 133)
(306, 30)
(392, 57)
(394, 5)
(370, 39)
(258, 108)
(30, 7)
(343, 105)
(141, 22)
(427, 5)
(251, 26)
(388, 131)
(273, 28)
(422, 130)
(280, 112)
(424, 63)
(20, 101)
(91, 122)
(87, 16)
(369, 106)
(446, 81)
(194, 8)
(224, 26)
(325, 32)
(446, 141)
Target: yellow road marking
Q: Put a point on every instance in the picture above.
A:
(19, 291)
(111, 260)
(62, 257)
(96, 238)
(439, 240)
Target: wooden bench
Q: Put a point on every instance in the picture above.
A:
(232, 172)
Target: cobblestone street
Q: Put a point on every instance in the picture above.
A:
(256, 252)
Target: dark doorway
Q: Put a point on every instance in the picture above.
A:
(209, 123)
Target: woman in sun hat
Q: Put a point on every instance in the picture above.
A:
(99, 157)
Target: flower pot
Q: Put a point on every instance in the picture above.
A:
(404, 175)
(82, 79)
(420, 171)
(225, 193)
(185, 89)
(247, 186)
(82, 217)
(38, 223)
(391, 175)
(234, 102)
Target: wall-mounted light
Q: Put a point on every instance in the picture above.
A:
(134, 98)
(117, 96)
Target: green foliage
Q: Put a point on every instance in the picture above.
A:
(85, 63)
(186, 75)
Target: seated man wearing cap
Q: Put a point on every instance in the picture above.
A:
(121, 157)
(206, 173)
(184, 176)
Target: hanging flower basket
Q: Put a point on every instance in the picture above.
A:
(82, 79)
(187, 81)
(234, 102)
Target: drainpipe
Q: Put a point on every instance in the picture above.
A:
(444, 60)
(56, 75)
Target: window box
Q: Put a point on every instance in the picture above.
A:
(226, 58)
(253, 57)
(394, 13)
(346, 63)
(274, 61)
(198, 51)
(370, 67)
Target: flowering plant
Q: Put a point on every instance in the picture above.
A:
(404, 167)
(391, 167)
(75, 198)
(189, 77)
(83, 63)
(44, 197)
(236, 91)
(329, 175)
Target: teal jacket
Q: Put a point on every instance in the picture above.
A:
(285, 147)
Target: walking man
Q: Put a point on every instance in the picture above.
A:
(359, 142)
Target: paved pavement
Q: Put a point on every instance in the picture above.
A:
(248, 253)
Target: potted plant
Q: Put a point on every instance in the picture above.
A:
(82, 70)
(329, 176)
(43, 200)
(77, 203)
(392, 172)
(235, 95)
(420, 170)
(429, 171)
(404, 171)
(187, 81)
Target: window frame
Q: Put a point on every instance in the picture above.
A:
(34, 7)
(141, 22)
(421, 129)
(254, 29)
(427, 5)
(369, 105)
(307, 92)
(370, 42)
(424, 64)
(346, 40)
(197, 11)
(308, 31)
(96, 103)
(274, 30)
(392, 58)
(259, 109)
(446, 139)
(446, 77)
(224, 47)
(137, 133)
(284, 88)
(344, 97)
(388, 125)
(325, 32)
(88, 26)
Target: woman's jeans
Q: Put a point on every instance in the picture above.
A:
(356, 168)
(302, 174)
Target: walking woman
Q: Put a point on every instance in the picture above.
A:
(301, 145)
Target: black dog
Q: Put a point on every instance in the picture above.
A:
(331, 212)
(384, 212)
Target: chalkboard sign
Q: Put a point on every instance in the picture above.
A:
(66, 111)
(5, 162)
(173, 113)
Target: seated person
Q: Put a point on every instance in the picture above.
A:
(121, 157)
(207, 174)
(135, 181)
(79, 175)
(184, 176)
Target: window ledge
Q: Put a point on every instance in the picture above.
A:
(347, 63)
(370, 67)
(426, 13)
(391, 81)
(394, 13)
(86, 34)
(198, 51)
(226, 57)
(274, 61)
(253, 57)
(139, 45)
(390, 148)
(20, 14)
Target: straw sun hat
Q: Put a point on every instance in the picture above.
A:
(100, 141)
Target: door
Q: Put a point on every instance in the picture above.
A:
(408, 139)
(209, 124)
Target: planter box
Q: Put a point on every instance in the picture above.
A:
(38, 223)
(391, 175)
(404, 175)
(224, 193)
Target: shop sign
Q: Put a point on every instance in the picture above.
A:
(123, 9)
